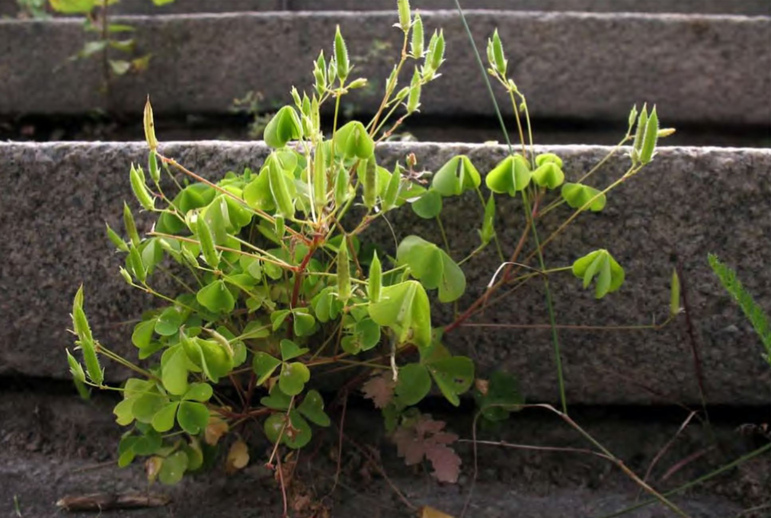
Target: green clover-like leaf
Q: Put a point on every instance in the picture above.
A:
(577, 195)
(432, 267)
(455, 177)
(404, 307)
(312, 407)
(293, 378)
(511, 175)
(600, 264)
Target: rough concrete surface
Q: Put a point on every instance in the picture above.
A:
(745, 7)
(54, 446)
(690, 201)
(697, 69)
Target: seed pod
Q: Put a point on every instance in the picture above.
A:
(152, 166)
(280, 227)
(368, 174)
(116, 240)
(500, 60)
(642, 122)
(375, 279)
(341, 56)
(414, 99)
(392, 189)
(280, 190)
(341, 186)
(128, 222)
(437, 56)
(149, 126)
(651, 138)
(319, 179)
(674, 298)
(136, 264)
(140, 189)
(404, 14)
(632, 116)
(343, 271)
(85, 339)
(418, 39)
(210, 254)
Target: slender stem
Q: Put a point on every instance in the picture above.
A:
(688, 485)
(484, 75)
(550, 308)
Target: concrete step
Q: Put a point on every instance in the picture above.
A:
(690, 202)
(743, 7)
(55, 446)
(709, 70)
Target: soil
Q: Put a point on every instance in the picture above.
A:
(54, 445)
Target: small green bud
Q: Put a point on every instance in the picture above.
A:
(632, 117)
(76, 369)
(116, 240)
(128, 222)
(126, 276)
(359, 82)
(296, 97)
(666, 132)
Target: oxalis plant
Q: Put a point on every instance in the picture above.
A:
(277, 284)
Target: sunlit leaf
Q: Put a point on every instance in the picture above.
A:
(404, 307)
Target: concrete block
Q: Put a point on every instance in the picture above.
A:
(690, 202)
(572, 66)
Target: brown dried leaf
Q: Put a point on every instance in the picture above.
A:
(216, 428)
(380, 389)
(423, 437)
(238, 457)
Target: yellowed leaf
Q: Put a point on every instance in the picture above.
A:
(153, 467)
(238, 457)
(430, 512)
(216, 428)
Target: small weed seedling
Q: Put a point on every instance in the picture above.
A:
(277, 282)
(110, 37)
